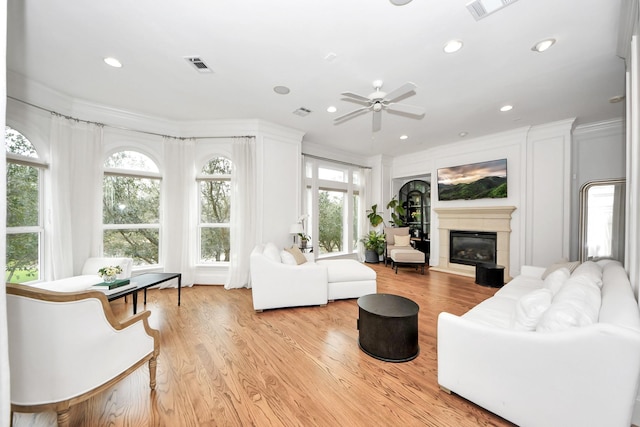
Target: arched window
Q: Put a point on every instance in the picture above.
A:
(214, 184)
(25, 230)
(131, 207)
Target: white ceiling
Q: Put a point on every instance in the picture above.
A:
(254, 45)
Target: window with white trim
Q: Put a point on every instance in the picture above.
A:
(333, 202)
(131, 208)
(25, 230)
(214, 212)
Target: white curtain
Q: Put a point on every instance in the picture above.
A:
(178, 203)
(75, 188)
(365, 203)
(243, 212)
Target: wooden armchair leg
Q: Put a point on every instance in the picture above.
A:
(153, 363)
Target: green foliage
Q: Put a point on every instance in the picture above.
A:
(375, 219)
(22, 210)
(330, 222)
(491, 187)
(374, 241)
(215, 208)
(398, 214)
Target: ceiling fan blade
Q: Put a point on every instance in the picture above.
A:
(377, 120)
(355, 97)
(351, 114)
(400, 92)
(414, 110)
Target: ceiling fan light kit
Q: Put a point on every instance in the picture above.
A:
(379, 100)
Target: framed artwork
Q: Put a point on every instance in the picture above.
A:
(485, 180)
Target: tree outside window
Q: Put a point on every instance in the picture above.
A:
(131, 208)
(214, 184)
(24, 223)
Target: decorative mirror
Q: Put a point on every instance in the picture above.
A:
(602, 220)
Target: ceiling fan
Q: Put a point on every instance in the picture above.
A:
(378, 101)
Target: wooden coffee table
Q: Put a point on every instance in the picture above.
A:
(145, 281)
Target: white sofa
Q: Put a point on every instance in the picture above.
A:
(89, 275)
(278, 284)
(571, 358)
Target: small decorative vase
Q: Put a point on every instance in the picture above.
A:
(109, 279)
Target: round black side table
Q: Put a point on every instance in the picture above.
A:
(388, 326)
(490, 274)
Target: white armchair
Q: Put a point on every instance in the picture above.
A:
(65, 347)
(276, 285)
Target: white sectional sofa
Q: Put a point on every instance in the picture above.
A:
(278, 281)
(560, 351)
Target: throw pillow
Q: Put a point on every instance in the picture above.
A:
(271, 251)
(576, 304)
(403, 240)
(287, 258)
(556, 279)
(589, 270)
(297, 254)
(530, 308)
(560, 264)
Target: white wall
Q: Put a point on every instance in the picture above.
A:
(538, 170)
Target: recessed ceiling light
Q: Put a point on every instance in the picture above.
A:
(403, 137)
(331, 109)
(543, 45)
(463, 134)
(113, 62)
(282, 90)
(452, 46)
(506, 108)
(400, 2)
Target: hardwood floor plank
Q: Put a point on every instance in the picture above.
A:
(222, 364)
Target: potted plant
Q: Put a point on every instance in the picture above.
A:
(304, 239)
(374, 243)
(397, 212)
(374, 217)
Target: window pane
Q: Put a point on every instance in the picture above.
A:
(131, 160)
(214, 244)
(130, 200)
(215, 201)
(22, 257)
(332, 174)
(141, 245)
(217, 166)
(330, 221)
(16, 143)
(23, 200)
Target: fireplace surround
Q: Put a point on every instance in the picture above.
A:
(496, 219)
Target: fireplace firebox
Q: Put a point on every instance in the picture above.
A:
(472, 247)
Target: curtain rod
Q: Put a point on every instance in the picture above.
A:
(336, 161)
(181, 138)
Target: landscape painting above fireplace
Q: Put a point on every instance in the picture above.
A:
(486, 180)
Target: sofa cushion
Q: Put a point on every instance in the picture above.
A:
(556, 279)
(576, 304)
(495, 311)
(530, 308)
(563, 263)
(287, 258)
(591, 271)
(391, 232)
(297, 254)
(519, 286)
(347, 270)
(271, 252)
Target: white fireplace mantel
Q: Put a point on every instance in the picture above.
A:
(485, 218)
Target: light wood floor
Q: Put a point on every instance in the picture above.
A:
(222, 364)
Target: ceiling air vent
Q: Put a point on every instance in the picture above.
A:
(302, 112)
(199, 64)
(482, 8)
